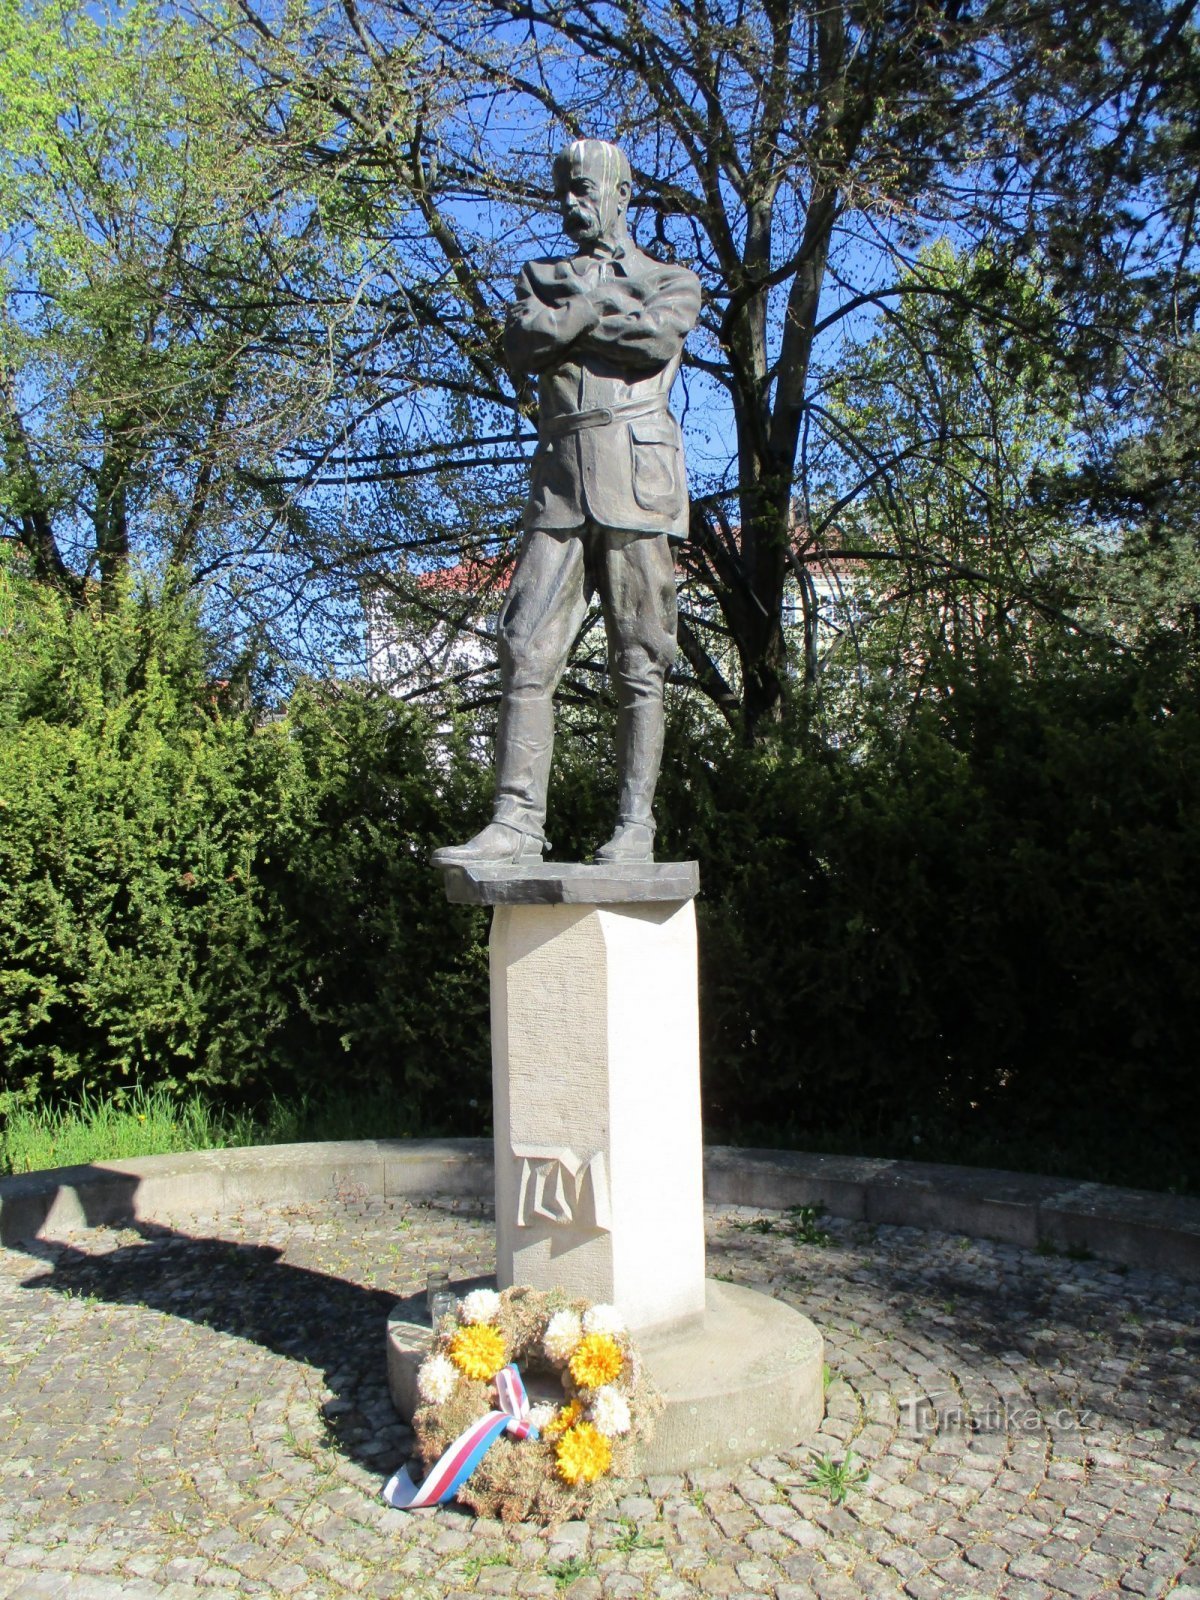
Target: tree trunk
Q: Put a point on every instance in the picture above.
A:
(112, 525)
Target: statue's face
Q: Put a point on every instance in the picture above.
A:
(591, 202)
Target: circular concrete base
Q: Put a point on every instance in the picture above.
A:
(743, 1381)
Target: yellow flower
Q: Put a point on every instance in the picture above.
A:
(566, 1417)
(597, 1359)
(583, 1453)
(478, 1351)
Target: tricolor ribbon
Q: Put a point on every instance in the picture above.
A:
(457, 1463)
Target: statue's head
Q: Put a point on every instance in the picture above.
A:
(593, 183)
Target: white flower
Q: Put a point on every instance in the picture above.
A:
(542, 1415)
(603, 1319)
(563, 1333)
(610, 1411)
(437, 1379)
(481, 1305)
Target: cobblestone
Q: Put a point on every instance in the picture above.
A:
(186, 1416)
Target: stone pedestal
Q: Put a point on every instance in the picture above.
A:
(599, 1177)
(596, 1087)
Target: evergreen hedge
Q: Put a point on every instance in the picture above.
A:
(189, 895)
(978, 939)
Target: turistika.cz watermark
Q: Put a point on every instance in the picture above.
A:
(924, 1416)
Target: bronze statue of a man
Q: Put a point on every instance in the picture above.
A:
(603, 331)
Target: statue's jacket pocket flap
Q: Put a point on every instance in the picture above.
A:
(656, 430)
(654, 448)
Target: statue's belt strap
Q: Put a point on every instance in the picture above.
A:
(601, 416)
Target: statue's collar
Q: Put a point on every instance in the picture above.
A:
(624, 257)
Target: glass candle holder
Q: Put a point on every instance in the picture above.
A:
(439, 1299)
(443, 1304)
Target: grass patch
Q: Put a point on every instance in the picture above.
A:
(800, 1224)
(567, 1572)
(632, 1538)
(114, 1129)
(837, 1478)
(157, 1122)
(472, 1566)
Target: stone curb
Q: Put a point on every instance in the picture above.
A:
(1129, 1226)
(207, 1183)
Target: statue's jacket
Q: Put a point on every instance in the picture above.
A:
(608, 448)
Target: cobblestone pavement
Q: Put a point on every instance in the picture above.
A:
(190, 1416)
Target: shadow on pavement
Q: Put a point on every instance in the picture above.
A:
(250, 1292)
(1109, 1350)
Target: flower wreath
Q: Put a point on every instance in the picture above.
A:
(547, 1461)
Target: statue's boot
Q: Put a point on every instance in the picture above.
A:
(639, 756)
(524, 745)
(494, 845)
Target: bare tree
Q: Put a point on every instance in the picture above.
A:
(798, 156)
(334, 386)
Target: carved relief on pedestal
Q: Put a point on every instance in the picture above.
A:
(558, 1186)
